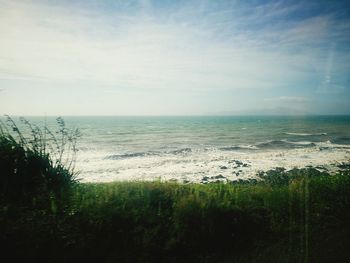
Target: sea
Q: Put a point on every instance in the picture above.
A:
(204, 149)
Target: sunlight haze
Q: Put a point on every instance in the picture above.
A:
(174, 57)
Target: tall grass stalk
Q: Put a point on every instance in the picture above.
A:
(36, 159)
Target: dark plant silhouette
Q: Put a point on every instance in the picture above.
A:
(35, 160)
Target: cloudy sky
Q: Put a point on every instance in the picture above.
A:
(95, 57)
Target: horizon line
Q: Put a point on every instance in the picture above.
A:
(190, 115)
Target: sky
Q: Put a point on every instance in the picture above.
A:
(167, 57)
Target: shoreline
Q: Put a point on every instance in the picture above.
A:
(258, 177)
(193, 167)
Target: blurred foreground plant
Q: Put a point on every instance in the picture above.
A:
(35, 160)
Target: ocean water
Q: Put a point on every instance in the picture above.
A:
(204, 149)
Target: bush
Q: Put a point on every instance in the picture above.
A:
(37, 162)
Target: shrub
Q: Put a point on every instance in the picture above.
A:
(38, 161)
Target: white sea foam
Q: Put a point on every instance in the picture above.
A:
(301, 142)
(305, 134)
(194, 165)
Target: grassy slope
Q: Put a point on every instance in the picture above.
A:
(305, 219)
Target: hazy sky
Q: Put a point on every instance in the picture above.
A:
(95, 57)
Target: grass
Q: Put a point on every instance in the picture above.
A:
(296, 216)
(33, 162)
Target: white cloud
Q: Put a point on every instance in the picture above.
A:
(289, 99)
(185, 50)
(43, 42)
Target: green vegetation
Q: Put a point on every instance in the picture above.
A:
(46, 216)
(33, 163)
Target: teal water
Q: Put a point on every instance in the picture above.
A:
(157, 133)
(190, 148)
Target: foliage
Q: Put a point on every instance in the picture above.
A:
(303, 220)
(35, 160)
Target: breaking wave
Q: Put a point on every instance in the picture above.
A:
(305, 134)
(284, 144)
(240, 147)
(182, 151)
(130, 155)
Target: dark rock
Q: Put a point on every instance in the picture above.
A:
(237, 162)
(220, 176)
(344, 166)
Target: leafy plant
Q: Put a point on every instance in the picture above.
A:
(35, 160)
